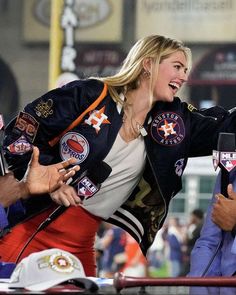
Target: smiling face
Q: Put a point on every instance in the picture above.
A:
(172, 73)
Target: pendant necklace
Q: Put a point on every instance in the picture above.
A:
(136, 127)
(140, 128)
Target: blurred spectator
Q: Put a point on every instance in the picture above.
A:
(175, 241)
(156, 253)
(136, 263)
(192, 234)
(112, 244)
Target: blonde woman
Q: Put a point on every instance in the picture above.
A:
(134, 122)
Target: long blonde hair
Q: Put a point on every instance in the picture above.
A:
(155, 47)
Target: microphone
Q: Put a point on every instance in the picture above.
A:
(225, 158)
(87, 185)
(90, 183)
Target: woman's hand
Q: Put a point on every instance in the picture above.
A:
(66, 195)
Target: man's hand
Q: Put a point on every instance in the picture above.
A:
(224, 210)
(41, 179)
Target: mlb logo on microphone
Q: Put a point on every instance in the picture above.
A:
(86, 188)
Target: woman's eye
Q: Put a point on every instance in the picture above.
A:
(177, 67)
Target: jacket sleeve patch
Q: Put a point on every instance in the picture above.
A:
(26, 125)
(191, 108)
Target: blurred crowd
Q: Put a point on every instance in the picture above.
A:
(169, 255)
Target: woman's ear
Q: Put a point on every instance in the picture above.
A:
(147, 64)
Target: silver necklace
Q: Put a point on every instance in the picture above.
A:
(136, 127)
(140, 128)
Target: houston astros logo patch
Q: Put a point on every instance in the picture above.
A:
(75, 145)
(97, 118)
(168, 129)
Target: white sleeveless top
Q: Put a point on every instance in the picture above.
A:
(127, 161)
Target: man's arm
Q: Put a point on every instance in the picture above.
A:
(10, 189)
(206, 244)
(39, 179)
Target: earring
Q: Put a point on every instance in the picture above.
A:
(146, 74)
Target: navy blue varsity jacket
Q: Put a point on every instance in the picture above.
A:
(72, 121)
